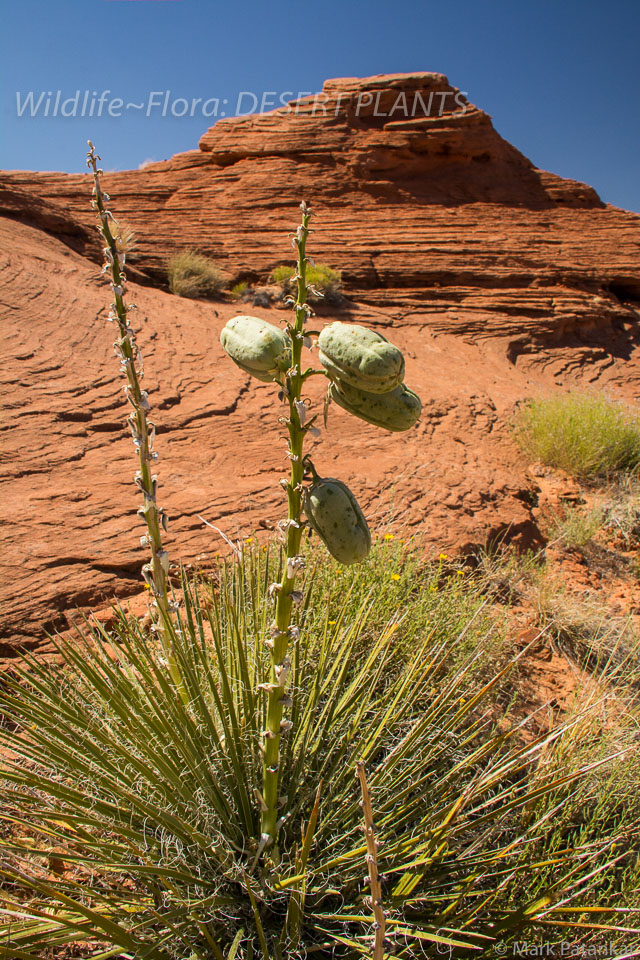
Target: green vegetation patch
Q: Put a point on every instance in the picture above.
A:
(587, 434)
(324, 282)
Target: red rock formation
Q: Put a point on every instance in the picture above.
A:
(497, 279)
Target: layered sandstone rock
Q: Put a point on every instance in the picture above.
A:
(497, 279)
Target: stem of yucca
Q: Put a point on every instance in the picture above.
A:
(282, 632)
(142, 429)
(371, 859)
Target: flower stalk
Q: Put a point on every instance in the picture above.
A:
(373, 370)
(283, 633)
(371, 859)
(142, 429)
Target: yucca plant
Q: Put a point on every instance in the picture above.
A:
(130, 815)
(159, 803)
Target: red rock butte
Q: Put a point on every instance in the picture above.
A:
(498, 280)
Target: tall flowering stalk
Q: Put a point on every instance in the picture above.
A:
(282, 631)
(142, 429)
(365, 374)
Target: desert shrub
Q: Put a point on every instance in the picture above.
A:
(600, 735)
(239, 289)
(580, 622)
(587, 434)
(506, 576)
(195, 276)
(324, 282)
(283, 275)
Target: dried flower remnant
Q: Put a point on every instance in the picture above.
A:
(143, 430)
(371, 860)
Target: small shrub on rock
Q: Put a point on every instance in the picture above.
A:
(324, 282)
(239, 290)
(576, 529)
(192, 275)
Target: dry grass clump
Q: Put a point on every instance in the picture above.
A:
(621, 512)
(578, 527)
(194, 276)
(582, 624)
(587, 434)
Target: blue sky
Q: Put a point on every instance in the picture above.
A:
(559, 77)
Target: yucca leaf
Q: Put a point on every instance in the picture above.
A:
(146, 797)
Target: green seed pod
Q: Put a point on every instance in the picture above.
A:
(397, 410)
(335, 515)
(257, 347)
(358, 356)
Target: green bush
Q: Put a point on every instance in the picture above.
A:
(239, 289)
(589, 435)
(283, 275)
(321, 277)
(195, 276)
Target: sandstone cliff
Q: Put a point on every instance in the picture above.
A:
(497, 279)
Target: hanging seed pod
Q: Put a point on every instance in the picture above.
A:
(257, 347)
(360, 357)
(397, 410)
(335, 515)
